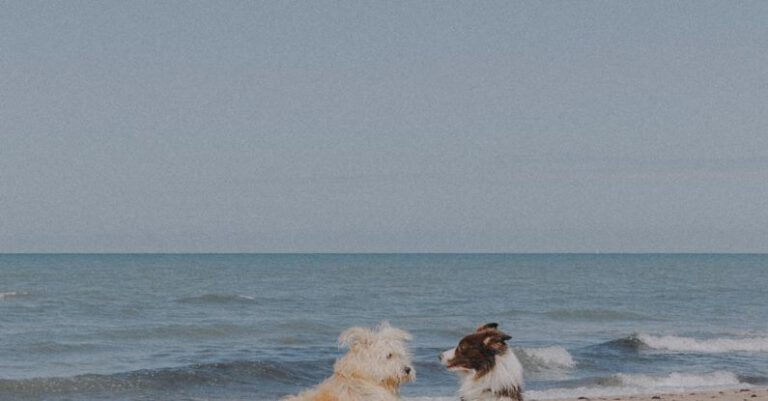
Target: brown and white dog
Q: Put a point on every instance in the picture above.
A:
(488, 369)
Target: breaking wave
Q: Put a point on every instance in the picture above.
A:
(638, 342)
(629, 384)
(714, 345)
(545, 358)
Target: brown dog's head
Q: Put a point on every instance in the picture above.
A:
(477, 352)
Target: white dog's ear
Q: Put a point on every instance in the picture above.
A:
(355, 336)
(387, 331)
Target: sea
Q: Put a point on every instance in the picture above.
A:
(115, 327)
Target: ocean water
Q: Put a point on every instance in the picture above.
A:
(257, 327)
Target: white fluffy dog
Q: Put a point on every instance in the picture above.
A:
(377, 363)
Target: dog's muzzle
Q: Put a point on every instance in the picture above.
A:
(446, 356)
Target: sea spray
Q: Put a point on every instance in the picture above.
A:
(545, 358)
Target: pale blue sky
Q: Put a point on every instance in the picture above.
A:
(383, 126)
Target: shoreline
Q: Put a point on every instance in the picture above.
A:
(731, 394)
(739, 394)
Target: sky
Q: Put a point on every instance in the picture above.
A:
(387, 126)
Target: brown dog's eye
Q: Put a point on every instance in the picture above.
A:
(389, 356)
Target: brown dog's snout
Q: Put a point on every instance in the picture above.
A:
(407, 370)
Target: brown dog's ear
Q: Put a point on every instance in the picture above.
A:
(496, 342)
(488, 326)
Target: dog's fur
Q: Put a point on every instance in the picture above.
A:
(377, 363)
(488, 369)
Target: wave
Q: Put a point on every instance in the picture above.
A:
(631, 384)
(631, 343)
(554, 357)
(641, 342)
(218, 299)
(54, 347)
(595, 315)
(170, 379)
(713, 345)
(179, 331)
(13, 294)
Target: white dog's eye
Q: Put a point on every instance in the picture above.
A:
(389, 356)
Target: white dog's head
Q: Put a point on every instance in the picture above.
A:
(378, 356)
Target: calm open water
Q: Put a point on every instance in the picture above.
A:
(256, 327)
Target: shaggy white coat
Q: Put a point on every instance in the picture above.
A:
(377, 363)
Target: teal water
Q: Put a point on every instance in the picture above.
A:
(256, 327)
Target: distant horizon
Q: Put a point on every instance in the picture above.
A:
(386, 253)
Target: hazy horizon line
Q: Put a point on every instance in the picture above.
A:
(388, 253)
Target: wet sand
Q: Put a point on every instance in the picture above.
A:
(743, 394)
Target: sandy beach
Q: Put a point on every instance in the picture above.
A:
(743, 394)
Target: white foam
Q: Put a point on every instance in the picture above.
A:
(550, 357)
(11, 294)
(714, 345)
(680, 380)
(626, 384)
